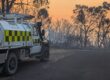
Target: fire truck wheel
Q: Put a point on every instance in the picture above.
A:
(11, 64)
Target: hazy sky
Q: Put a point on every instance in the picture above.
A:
(63, 8)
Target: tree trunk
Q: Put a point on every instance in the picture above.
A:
(98, 39)
(3, 7)
(85, 39)
(6, 6)
(9, 5)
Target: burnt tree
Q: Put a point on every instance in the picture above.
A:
(7, 5)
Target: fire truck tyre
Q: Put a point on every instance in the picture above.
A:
(11, 64)
(45, 55)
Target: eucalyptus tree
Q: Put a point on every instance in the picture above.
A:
(36, 8)
(105, 31)
(7, 5)
(43, 13)
(86, 21)
(92, 19)
(41, 9)
(102, 23)
(40, 3)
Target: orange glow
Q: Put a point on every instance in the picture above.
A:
(63, 8)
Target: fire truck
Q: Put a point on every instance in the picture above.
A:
(20, 41)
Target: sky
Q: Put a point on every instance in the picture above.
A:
(63, 8)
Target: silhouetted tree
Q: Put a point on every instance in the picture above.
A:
(86, 21)
(102, 31)
(43, 13)
(39, 3)
(91, 19)
(7, 5)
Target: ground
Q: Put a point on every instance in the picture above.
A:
(66, 64)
